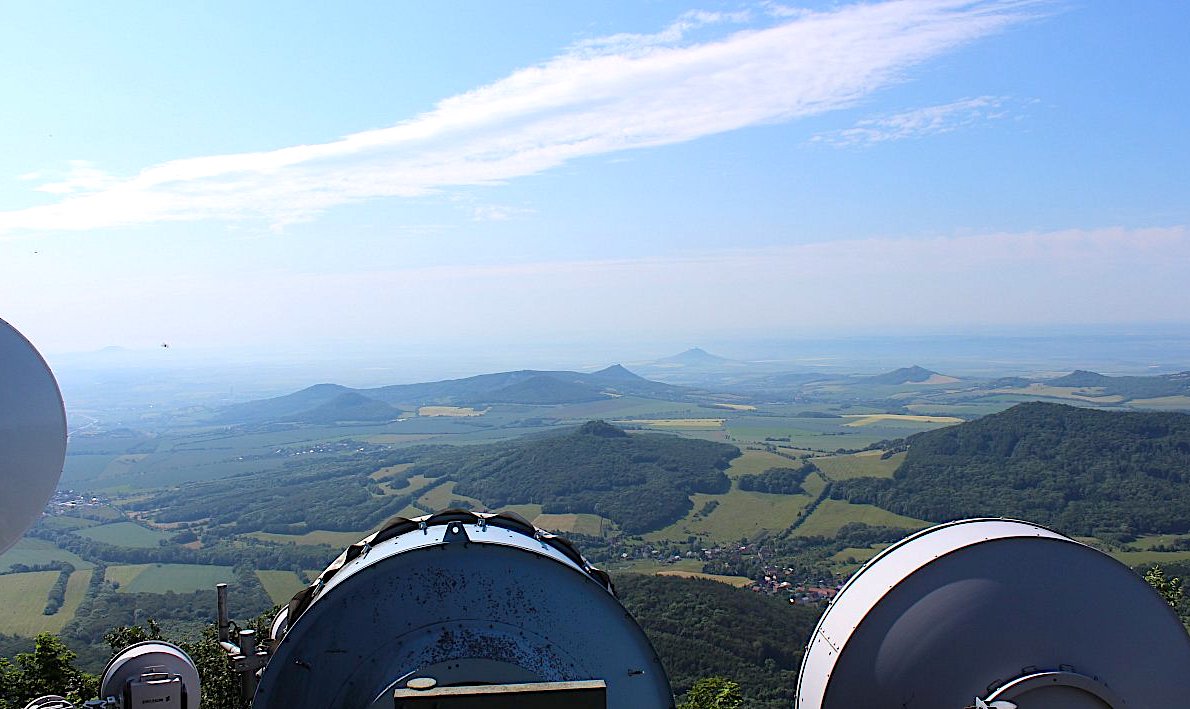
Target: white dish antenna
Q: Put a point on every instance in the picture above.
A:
(1000, 614)
(32, 435)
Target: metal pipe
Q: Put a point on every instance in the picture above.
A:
(224, 620)
(248, 650)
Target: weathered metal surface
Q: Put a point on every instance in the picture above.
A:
(459, 598)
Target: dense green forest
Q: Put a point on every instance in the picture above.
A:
(783, 481)
(704, 628)
(1082, 471)
(642, 482)
(292, 499)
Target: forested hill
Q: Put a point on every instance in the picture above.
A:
(1080, 470)
(642, 482)
(1127, 387)
(703, 628)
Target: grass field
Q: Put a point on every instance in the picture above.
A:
(416, 483)
(529, 512)
(653, 566)
(1162, 403)
(858, 554)
(84, 467)
(737, 581)
(1153, 540)
(754, 462)
(438, 498)
(390, 471)
(280, 585)
(23, 597)
(813, 484)
(1093, 395)
(674, 424)
(869, 419)
(457, 411)
(739, 514)
(124, 534)
(31, 552)
(65, 522)
(833, 514)
(159, 578)
(338, 540)
(590, 525)
(391, 438)
(628, 406)
(966, 409)
(1134, 558)
(860, 465)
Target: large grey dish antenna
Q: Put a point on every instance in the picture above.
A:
(32, 435)
(458, 599)
(996, 613)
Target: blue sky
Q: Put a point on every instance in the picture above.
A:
(230, 175)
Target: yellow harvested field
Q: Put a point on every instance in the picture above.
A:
(23, 598)
(460, 411)
(868, 419)
(737, 581)
(735, 407)
(674, 423)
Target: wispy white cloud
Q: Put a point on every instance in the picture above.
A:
(622, 93)
(498, 212)
(920, 122)
(680, 29)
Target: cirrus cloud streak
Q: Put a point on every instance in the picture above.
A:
(626, 92)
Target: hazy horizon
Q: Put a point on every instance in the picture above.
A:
(231, 177)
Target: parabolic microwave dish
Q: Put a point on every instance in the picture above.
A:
(996, 613)
(32, 435)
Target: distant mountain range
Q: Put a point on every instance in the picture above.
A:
(691, 376)
(328, 403)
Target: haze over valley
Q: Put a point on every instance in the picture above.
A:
(733, 295)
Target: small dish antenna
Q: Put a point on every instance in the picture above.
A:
(32, 435)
